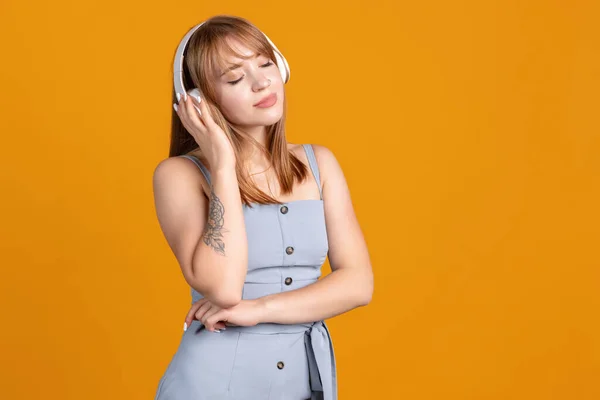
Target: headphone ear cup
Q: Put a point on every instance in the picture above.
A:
(195, 92)
(283, 67)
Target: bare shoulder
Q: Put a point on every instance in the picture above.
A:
(298, 150)
(180, 171)
(324, 156)
(329, 168)
(176, 168)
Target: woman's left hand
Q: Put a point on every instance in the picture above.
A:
(245, 313)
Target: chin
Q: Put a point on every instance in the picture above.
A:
(269, 118)
(260, 122)
(271, 121)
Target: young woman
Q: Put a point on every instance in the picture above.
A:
(251, 219)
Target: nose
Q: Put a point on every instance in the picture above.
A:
(261, 83)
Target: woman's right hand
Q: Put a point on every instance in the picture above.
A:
(201, 310)
(211, 139)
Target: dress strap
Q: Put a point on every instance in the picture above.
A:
(310, 154)
(197, 161)
(312, 162)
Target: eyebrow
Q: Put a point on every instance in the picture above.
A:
(236, 66)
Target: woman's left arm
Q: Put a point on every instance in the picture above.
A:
(350, 284)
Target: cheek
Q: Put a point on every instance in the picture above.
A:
(234, 104)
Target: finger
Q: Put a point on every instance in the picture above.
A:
(190, 315)
(220, 326)
(207, 317)
(183, 115)
(176, 104)
(196, 101)
(181, 107)
(221, 315)
(206, 117)
(189, 318)
(203, 309)
(192, 113)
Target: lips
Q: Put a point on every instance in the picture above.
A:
(267, 101)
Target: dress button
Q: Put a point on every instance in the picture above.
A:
(284, 210)
(288, 281)
(289, 250)
(280, 365)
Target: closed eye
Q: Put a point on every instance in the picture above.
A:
(268, 64)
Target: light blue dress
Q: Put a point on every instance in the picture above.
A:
(287, 245)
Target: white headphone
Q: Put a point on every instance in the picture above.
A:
(282, 64)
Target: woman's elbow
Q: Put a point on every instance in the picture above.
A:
(366, 294)
(220, 294)
(225, 299)
(221, 297)
(365, 298)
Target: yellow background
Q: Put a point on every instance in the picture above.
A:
(469, 135)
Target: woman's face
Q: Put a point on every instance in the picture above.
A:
(240, 89)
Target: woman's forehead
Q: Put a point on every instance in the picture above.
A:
(234, 51)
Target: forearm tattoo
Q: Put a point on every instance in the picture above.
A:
(213, 231)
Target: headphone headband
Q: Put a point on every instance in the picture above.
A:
(284, 68)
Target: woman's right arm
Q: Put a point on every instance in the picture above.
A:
(207, 236)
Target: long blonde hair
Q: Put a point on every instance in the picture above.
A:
(205, 55)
